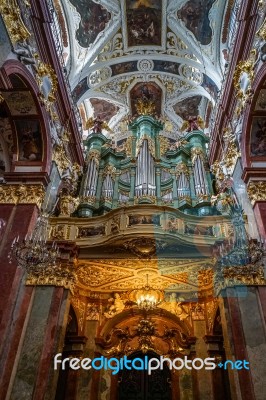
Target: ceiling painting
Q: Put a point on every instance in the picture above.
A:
(210, 86)
(94, 19)
(144, 22)
(146, 92)
(188, 107)
(166, 66)
(195, 15)
(139, 43)
(80, 89)
(103, 109)
(124, 68)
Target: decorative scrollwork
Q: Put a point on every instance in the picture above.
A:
(10, 12)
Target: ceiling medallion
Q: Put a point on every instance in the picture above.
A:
(144, 247)
(145, 65)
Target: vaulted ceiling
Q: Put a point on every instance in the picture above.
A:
(178, 47)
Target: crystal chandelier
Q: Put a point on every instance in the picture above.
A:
(147, 299)
(33, 250)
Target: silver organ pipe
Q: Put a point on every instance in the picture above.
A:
(145, 176)
(201, 185)
(183, 188)
(108, 187)
(91, 178)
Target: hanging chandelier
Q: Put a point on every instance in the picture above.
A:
(146, 298)
(33, 251)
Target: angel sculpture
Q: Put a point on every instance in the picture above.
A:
(193, 124)
(97, 125)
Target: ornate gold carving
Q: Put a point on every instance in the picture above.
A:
(144, 247)
(231, 155)
(88, 199)
(262, 31)
(46, 71)
(60, 158)
(117, 306)
(151, 144)
(93, 312)
(52, 276)
(145, 107)
(94, 155)
(67, 204)
(195, 152)
(145, 198)
(97, 124)
(256, 191)
(164, 144)
(128, 146)
(109, 170)
(79, 307)
(29, 194)
(244, 69)
(57, 232)
(247, 275)
(182, 168)
(10, 12)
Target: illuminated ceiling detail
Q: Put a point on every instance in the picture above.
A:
(175, 44)
(106, 275)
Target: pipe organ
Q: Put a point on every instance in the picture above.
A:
(177, 178)
(145, 172)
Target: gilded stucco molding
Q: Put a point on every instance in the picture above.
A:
(52, 276)
(256, 191)
(11, 15)
(22, 194)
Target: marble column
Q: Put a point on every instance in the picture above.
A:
(243, 316)
(33, 375)
(204, 380)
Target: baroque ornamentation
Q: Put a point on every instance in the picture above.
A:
(10, 12)
(52, 276)
(27, 194)
(182, 168)
(243, 78)
(195, 152)
(67, 204)
(164, 144)
(109, 170)
(60, 158)
(47, 91)
(256, 191)
(116, 306)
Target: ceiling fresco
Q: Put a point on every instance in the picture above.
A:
(144, 22)
(146, 92)
(94, 18)
(195, 15)
(177, 46)
(188, 108)
(103, 109)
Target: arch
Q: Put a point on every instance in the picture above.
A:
(11, 73)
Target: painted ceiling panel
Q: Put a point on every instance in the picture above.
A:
(177, 46)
